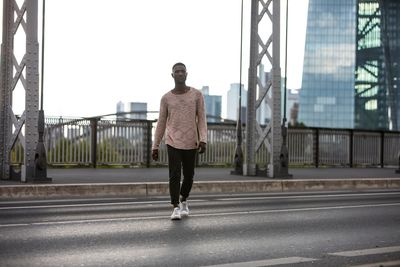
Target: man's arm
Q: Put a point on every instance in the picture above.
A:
(160, 129)
(202, 124)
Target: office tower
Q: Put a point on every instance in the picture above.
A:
(120, 109)
(233, 100)
(135, 110)
(138, 110)
(377, 79)
(327, 92)
(213, 105)
(351, 65)
(263, 112)
(292, 106)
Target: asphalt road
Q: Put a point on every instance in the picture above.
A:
(298, 229)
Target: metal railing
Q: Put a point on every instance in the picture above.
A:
(95, 141)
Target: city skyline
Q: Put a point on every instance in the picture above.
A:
(110, 54)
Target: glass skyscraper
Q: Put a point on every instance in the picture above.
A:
(213, 104)
(346, 79)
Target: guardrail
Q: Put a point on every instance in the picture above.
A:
(99, 142)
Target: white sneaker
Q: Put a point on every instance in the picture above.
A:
(184, 208)
(176, 214)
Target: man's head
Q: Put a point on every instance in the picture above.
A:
(179, 73)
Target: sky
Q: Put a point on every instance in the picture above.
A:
(100, 52)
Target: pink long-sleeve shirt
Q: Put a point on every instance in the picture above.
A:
(182, 119)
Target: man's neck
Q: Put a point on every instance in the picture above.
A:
(180, 88)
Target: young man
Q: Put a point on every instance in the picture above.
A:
(183, 120)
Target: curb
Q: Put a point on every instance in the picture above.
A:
(162, 188)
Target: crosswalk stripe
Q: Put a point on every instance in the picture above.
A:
(271, 262)
(370, 251)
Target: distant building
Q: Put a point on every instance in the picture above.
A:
(120, 109)
(213, 104)
(351, 73)
(135, 110)
(292, 106)
(138, 110)
(263, 113)
(233, 100)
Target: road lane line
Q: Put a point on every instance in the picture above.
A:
(307, 196)
(380, 264)
(65, 200)
(163, 201)
(90, 204)
(204, 214)
(364, 252)
(271, 262)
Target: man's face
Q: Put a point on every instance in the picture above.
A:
(179, 74)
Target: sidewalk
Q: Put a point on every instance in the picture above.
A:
(88, 182)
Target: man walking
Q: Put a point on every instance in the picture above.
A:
(183, 120)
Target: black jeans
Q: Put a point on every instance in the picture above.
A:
(178, 160)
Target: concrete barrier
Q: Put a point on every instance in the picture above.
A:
(162, 188)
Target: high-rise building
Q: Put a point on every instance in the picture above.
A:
(377, 72)
(233, 100)
(292, 106)
(263, 112)
(120, 109)
(213, 105)
(351, 70)
(136, 110)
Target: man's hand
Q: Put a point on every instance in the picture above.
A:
(154, 154)
(202, 147)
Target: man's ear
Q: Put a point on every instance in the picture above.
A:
(172, 75)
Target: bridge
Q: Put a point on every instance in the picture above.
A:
(30, 141)
(28, 128)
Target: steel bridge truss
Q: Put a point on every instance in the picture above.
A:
(265, 13)
(19, 20)
(375, 96)
(23, 19)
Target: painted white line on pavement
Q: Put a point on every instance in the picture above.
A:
(64, 200)
(380, 264)
(363, 252)
(271, 262)
(91, 204)
(307, 196)
(203, 215)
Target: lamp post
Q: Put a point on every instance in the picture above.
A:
(238, 160)
(284, 155)
(40, 170)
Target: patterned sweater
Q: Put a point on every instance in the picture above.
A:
(183, 120)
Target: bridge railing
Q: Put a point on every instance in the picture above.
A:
(102, 142)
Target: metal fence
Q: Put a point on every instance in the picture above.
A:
(93, 142)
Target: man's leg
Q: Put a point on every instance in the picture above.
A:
(188, 163)
(175, 168)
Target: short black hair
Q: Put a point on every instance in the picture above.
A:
(178, 64)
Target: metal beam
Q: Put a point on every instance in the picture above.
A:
(26, 126)
(271, 136)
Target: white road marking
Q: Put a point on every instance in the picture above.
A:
(64, 200)
(271, 262)
(203, 215)
(380, 264)
(90, 204)
(370, 251)
(55, 203)
(307, 196)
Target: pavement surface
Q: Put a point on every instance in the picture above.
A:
(88, 182)
(315, 229)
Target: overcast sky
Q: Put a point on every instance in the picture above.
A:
(99, 52)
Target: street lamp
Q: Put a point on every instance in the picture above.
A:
(284, 155)
(238, 160)
(40, 170)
